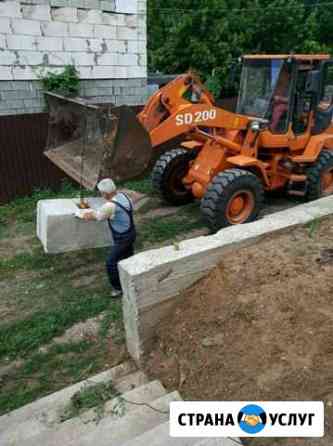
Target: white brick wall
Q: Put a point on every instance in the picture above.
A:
(104, 39)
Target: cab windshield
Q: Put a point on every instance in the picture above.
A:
(259, 82)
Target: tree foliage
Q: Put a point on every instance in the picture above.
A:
(207, 35)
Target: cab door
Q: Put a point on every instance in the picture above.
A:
(324, 112)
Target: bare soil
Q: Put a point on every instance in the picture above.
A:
(259, 327)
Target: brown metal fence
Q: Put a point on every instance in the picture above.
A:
(23, 167)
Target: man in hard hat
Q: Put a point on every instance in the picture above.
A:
(118, 211)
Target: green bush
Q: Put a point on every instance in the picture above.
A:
(66, 83)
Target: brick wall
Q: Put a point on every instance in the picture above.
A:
(104, 39)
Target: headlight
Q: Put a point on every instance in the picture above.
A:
(255, 126)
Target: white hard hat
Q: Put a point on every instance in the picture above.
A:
(106, 186)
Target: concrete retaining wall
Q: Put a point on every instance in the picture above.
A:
(152, 280)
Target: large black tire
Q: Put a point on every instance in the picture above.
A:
(168, 173)
(234, 196)
(316, 174)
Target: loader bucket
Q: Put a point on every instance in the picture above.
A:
(90, 142)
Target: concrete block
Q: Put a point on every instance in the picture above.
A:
(81, 30)
(127, 6)
(75, 44)
(65, 15)
(3, 43)
(5, 25)
(105, 32)
(10, 9)
(108, 5)
(129, 100)
(126, 33)
(131, 20)
(107, 59)
(85, 72)
(60, 231)
(15, 104)
(137, 72)
(127, 60)
(7, 57)
(92, 16)
(6, 85)
(106, 72)
(152, 280)
(36, 12)
(113, 19)
(29, 58)
(5, 73)
(96, 45)
(49, 44)
(59, 3)
(83, 59)
(142, 60)
(46, 410)
(116, 46)
(27, 27)
(54, 29)
(60, 58)
(92, 4)
(18, 94)
(142, 33)
(21, 42)
(33, 103)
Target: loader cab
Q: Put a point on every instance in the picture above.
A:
(265, 91)
(284, 90)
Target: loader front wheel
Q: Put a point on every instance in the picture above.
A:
(234, 196)
(168, 174)
(320, 177)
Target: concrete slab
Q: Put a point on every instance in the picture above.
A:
(128, 427)
(70, 430)
(159, 436)
(152, 280)
(41, 414)
(60, 231)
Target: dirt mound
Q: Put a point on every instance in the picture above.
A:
(259, 327)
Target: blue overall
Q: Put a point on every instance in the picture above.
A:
(123, 232)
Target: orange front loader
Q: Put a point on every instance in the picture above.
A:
(280, 137)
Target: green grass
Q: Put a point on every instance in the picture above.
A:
(43, 373)
(42, 297)
(21, 337)
(144, 186)
(93, 396)
(158, 230)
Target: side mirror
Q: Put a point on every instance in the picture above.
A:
(313, 82)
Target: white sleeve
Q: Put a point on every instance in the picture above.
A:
(105, 212)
